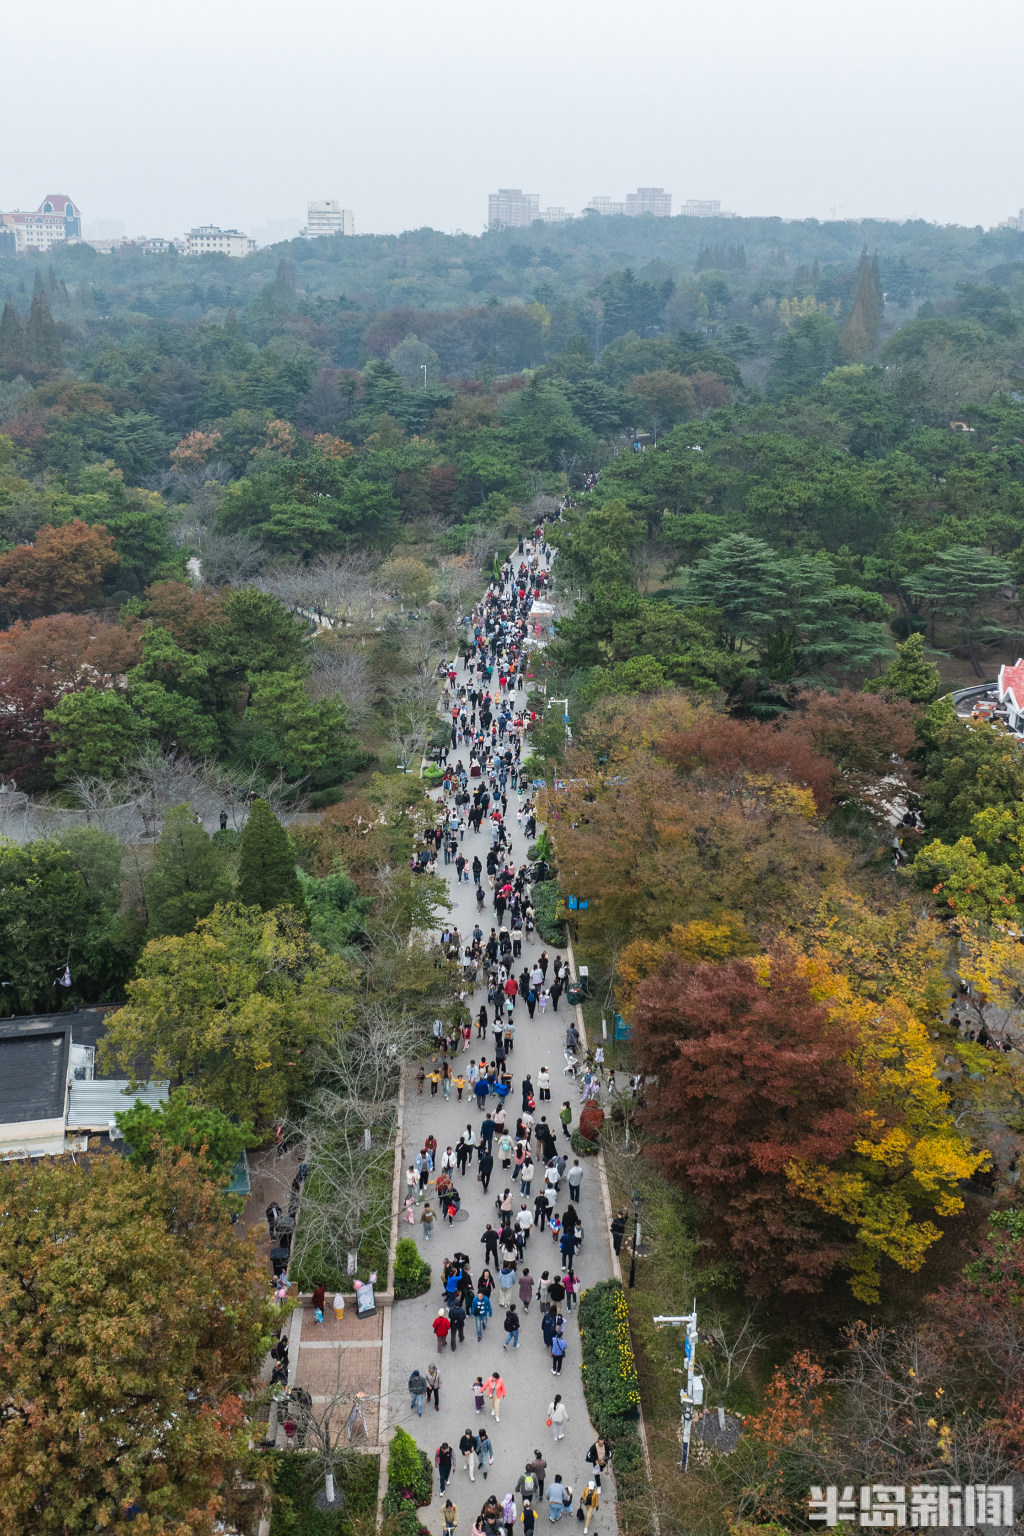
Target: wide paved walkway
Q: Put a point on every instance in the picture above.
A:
(527, 1371)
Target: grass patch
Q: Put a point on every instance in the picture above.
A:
(295, 1480)
(321, 1261)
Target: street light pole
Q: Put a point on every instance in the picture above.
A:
(693, 1395)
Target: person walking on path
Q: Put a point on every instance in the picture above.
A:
(434, 1386)
(527, 1485)
(442, 1327)
(591, 1502)
(496, 1390)
(600, 1454)
(559, 1499)
(427, 1220)
(557, 1351)
(457, 1319)
(558, 1417)
(443, 1460)
(469, 1446)
(618, 1231)
(449, 1518)
(417, 1392)
(508, 1513)
(539, 1467)
(512, 1326)
(526, 1283)
(486, 1452)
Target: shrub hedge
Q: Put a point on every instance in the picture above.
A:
(546, 900)
(613, 1394)
(410, 1482)
(412, 1273)
(580, 1145)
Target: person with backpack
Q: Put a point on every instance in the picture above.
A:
(590, 1503)
(527, 1484)
(449, 1518)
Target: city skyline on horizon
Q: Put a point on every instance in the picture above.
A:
(854, 119)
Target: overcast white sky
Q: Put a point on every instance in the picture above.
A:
(238, 111)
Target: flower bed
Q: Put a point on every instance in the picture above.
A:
(609, 1370)
(613, 1397)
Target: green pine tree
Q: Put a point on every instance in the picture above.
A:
(859, 339)
(910, 676)
(42, 343)
(12, 343)
(188, 878)
(267, 875)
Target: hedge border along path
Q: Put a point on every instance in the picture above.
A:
(612, 1391)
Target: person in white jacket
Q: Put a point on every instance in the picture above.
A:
(559, 1416)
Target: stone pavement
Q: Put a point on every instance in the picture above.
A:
(527, 1371)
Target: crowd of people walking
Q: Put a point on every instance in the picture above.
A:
(496, 1113)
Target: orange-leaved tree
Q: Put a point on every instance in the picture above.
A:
(134, 1329)
(61, 572)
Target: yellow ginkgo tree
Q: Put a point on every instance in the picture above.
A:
(908, 1154)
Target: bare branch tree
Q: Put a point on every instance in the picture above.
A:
(731, 1350)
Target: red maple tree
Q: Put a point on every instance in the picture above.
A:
(747, 1077)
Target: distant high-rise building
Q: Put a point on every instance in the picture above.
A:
(509, 208)
(554, 216)
(1015, 221)
(701, 208)
(55, 220)
(208, 240)
(327, 217)
(653, 200)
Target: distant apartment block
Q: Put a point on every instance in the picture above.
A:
(553, 216)
(56, 220)
(509, 208)
(208, 240)
(653, 200)
(327, 217)
(701, 208)
(1015, 221)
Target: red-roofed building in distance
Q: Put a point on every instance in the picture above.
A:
(1011, 693)
(56, 220)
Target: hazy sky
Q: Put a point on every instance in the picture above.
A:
(196, 111)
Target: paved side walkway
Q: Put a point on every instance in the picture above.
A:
(527, 1372)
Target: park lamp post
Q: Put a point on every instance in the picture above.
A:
(692, 1395)
(638, 1205)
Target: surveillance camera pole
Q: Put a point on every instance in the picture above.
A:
(565, 715)
(693, 1395)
